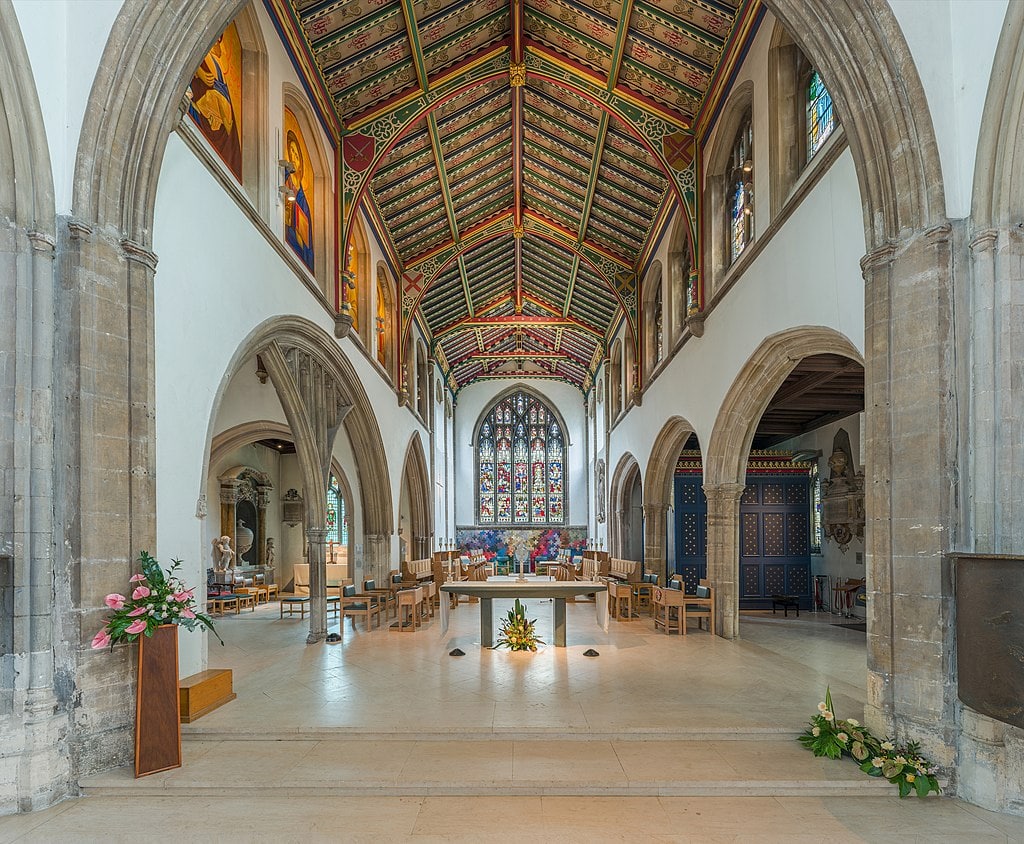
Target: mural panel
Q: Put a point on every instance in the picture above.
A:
(215, 99)
(298, 216)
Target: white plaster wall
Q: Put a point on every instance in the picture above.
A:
(953, 43)
(218, 279)
(65, 41)
(474, 399)
(809, 274)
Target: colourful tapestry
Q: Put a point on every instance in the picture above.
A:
(215, 99)
(502, 543)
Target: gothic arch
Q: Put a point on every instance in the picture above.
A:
(30, 535)
(725, 460)
(416, 480)
(657, 492)
(626, 473)
(360, 423)
(530, 391)
(654, 312)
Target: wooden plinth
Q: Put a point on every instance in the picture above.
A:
(204, 692)
(157, 728)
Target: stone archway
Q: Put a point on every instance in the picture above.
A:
(725, 460)
(150, 55)
(416, 485)
(27, 437)
(658, 480)
(625, 476)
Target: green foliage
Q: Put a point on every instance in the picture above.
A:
(517, 632)
(903, 766)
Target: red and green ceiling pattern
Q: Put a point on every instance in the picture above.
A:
(521, 157)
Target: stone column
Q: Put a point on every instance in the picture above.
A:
(316, 538)
(377, 557)
(421, 544)
(617, 548)
(910, 397)
(982, 435)
(262, 502)
(724, 554)
(654, 540)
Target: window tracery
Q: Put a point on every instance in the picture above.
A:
(521, 463)
(337, 515)
(820, 114)
(741, 193)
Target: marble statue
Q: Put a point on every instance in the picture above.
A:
(270, 556)
(223, 556)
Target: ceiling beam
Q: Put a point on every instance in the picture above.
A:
(570, 287)
(520, 320)
(415, 47)
(621, 33)
(806, 384)
(442, 175)
(595, 170)
(465, 286)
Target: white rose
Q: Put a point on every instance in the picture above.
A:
(822, 707)
(816, 732)
(878, 761)
(843, 737)
(853, 722)
(828, 716)
(887, 745)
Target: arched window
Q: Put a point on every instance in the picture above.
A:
(820, 115)
(521, 463)
(659, 328)
(382, 337)
(741, 190)
(356, 273)
(337, 514)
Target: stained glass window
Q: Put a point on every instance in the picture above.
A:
(659, 328)
(337, 516)
(741, 190)
(521, 458)
(820, 116)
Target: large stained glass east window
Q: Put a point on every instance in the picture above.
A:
(741, 190)
(521, 458)
(337, 517)
(820, 116)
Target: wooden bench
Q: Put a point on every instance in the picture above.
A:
(204, 692)
(295, 601)
(786, 602)
(416, 571)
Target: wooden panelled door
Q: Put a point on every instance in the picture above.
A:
(775, 541)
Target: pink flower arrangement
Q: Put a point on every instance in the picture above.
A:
(158, 598)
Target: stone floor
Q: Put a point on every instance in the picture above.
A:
(387, 737)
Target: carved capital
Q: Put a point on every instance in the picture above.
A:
(79, 230)
(42, 242)
(139, 254)
(316, 535)
(983, 241)
(720, 493)
(881, 256)
(939, 234)
(343, 322)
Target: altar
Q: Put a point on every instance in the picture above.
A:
(531, 587)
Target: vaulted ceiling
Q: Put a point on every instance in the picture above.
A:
(536, 192)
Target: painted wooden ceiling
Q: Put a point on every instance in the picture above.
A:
(534, 194)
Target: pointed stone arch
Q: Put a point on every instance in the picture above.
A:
(416, 480)
(29, 542)
(725, 458)
(626, 474)
(658, 490)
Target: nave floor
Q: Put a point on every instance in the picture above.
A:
(386, 737)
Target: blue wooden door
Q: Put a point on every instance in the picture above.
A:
(691, 525)
(775, 540)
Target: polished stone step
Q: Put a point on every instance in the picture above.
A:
(499, 767)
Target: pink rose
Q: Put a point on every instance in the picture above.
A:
(187, 613)
(140, 592)
(136, 578)
(136, 626)
(135, 613)
(101, 639)
(115, 601)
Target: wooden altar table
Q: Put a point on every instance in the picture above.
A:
(532, 587)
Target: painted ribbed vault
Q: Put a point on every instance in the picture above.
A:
(524, 199)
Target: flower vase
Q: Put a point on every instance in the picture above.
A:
(157, 708)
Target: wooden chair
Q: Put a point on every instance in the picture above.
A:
(669, 609)
(643, 590)
(384, 596)
(353, 604)
(409, 601)
(620, 597)
(291, 602)
(702, 605)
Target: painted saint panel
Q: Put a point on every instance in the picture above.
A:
(215, 99)
(298, 215)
